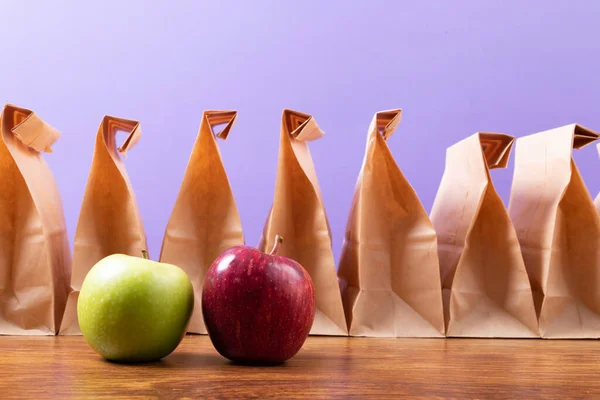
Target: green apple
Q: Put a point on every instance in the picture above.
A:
(132, 309)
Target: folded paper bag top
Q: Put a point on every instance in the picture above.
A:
(109, 220)
(559, 230)
(485, 284)
(35, 260)
(389, 266)
(205, 220)
(298, 215)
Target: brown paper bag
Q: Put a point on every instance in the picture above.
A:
(35, 260)
(485, 285)
(109, 220)
(559, 230)
(389, 266)
(205, 220)
(597, 202)
(298, 215)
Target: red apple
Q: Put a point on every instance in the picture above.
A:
(257, 307)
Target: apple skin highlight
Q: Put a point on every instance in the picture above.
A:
(257, 307)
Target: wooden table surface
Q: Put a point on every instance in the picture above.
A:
(65, 367)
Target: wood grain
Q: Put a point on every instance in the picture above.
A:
(327, 367)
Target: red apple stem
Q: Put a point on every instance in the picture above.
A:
(144, 254)
(277, 245)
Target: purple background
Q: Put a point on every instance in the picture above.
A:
(454, 67)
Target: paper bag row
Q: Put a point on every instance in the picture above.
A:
(532, 270)
(465, 272)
